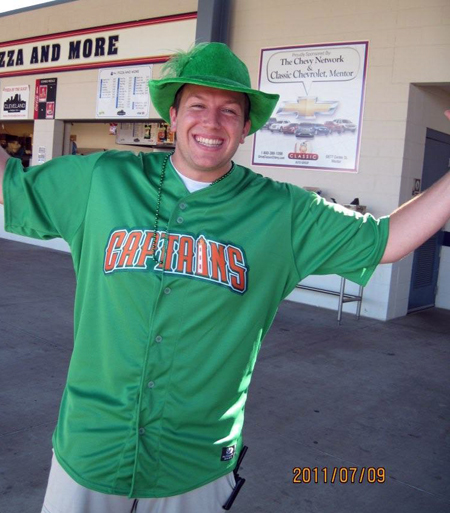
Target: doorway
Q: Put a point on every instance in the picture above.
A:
(425, 269)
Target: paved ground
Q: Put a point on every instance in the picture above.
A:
(366, 394)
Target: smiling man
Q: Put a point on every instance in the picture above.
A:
(181, 262)
(210, 124)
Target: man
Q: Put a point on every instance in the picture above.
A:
(181, 262)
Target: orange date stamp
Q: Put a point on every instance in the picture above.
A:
(341, 475)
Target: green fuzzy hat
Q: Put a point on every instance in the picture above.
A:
(210, 65)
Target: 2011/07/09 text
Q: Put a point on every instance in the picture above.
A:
(341, 475)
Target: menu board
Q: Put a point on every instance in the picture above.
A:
(123, 92)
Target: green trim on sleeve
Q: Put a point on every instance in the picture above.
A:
(362, 277)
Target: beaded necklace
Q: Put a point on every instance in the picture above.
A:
(159, 195)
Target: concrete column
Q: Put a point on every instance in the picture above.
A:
(48, 138)
(212, 21)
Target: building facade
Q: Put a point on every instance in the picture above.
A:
(405, 92)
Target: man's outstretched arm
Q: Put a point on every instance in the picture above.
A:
(3, 159)
(417, 220)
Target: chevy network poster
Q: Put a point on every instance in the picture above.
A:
(317, 122)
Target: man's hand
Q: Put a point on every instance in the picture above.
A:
(3, 159)
(417, 220)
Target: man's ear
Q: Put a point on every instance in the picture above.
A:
(173, 119)
(245, 130)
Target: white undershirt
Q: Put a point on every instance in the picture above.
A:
(191, 185)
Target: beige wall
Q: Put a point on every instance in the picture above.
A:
(409, 41)
(77, 92)
(85, 14)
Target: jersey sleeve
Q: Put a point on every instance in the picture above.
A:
(48, 200)
(330, 239)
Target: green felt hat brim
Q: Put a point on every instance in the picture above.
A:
(163, 93)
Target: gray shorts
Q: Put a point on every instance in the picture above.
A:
(64, 495)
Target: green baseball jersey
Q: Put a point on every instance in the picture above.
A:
(164, 349)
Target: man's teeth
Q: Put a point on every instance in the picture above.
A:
(208, 142)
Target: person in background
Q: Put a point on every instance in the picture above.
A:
(14, 147)
(73, 145)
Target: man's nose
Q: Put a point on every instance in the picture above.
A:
(211, 117)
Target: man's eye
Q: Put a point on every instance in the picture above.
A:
(230, 111)
(196, 106)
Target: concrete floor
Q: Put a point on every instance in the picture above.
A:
(365, 394)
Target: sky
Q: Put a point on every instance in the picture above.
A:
(12, 5)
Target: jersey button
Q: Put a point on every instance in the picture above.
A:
(158, 339)
(180, 220)
(151, 384)
(167, 290)
(141, 431)
(182, 206)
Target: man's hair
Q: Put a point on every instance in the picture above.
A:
(177, 100)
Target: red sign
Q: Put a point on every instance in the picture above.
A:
(45, 98)
(303, 156)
